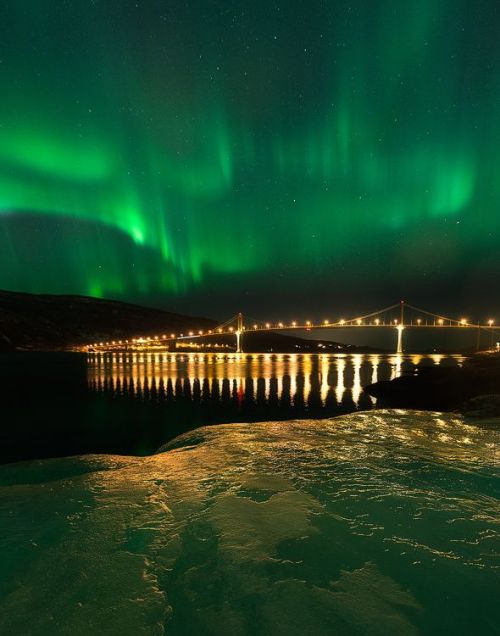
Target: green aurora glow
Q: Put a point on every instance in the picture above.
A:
(147, 148)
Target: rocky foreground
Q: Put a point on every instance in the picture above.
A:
(382, 522)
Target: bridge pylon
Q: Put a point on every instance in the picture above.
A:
(400, 327)
(239, 333)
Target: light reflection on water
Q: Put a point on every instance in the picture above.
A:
(297, 382)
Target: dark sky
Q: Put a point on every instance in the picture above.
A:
(275, 157)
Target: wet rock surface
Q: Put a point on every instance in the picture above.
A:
(382, 522)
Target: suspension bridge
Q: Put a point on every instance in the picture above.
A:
(398, 317)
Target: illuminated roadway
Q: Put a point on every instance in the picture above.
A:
(399, 317)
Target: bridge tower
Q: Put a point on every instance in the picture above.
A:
(400, 327)
(239, 333)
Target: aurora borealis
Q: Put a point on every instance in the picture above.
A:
(253, 153)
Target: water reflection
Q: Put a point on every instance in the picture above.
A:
(232, 387)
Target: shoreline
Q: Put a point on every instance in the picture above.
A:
(447, 389)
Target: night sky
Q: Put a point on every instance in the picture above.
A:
(210, 156)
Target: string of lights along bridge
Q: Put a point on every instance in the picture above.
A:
(399, 317)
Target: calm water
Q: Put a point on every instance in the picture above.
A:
(60, 404)
(232, 387)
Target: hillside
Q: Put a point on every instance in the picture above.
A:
(47, 322)
(43, 322)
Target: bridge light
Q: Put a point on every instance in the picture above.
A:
(219, 329)
(440, 321)
(358, 321)
(342, 321)
(190, 333)
(255, 326)
(268, 326)
(395, 322)
(280, 324)
(326, 322)
(490, 322)
(231, 329)
(172, 335)
(463, 321)
(308, 322)
(419, 321)
(377, 321)
(200, 332)
(294, 323)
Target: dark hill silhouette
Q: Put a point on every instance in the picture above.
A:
(48, 322)
(45, 322)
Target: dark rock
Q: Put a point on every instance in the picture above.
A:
(482, 406)
(436, 388)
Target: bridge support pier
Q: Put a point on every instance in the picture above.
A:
(400, 329)
(238, 342)
(239, 334)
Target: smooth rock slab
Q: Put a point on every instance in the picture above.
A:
(382, 522)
